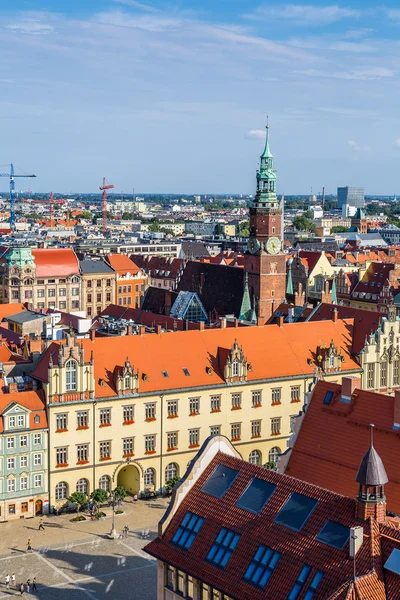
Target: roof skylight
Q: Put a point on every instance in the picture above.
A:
(221, 550)
(296, 511)
(262, 565)
(256, 495)
(219, 481)
(334, 534)
(187, 530)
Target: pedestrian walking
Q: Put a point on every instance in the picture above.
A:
(29, 546)
(126, 531)
(41, 526)
(21, 589)
(13, 579)
(28, 586)
(7, 579)
(34, 588)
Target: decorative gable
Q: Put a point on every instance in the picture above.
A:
(329, 359)
(125, 379)
(236, 364)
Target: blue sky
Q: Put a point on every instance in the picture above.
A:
(173, 97)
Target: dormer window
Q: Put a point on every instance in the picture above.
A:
(70, 370)
(127, 382)
(331, 361)
(235, 368)
(21, 420)
(11, 421)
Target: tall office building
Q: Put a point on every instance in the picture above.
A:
(354, 196)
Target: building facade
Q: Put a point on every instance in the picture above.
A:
(353, 196)
(23, 454)
(264, 260)
(98, 285)
(137, 422)
(131, 281)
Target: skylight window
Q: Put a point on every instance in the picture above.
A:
(393, 562)
(221, 550)
(262, 565)
(300, 581)
(165, 374)
(256, 495)
(296, 511)
(312, 588)
(334, 534)
(219, 481)
(186, 372)
(328, 397)
(187, 530)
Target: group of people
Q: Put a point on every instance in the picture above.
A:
(27, 587)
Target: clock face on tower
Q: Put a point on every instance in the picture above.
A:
(273, 245)
(253, 245)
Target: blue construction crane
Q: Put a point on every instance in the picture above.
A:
(12, 175)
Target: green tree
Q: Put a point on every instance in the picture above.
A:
(302, 223)
(172, 482)
(271, 465)
(339, 229)
(98, 496)
(244, 228)
(79, 499)
(120, 491)
(155, 226)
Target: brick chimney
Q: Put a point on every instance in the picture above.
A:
(92, 334)
(142, 329)
(396, 411)
(335, 315)
(168, 303)
(349, 384)
(158, 329)
(223, 322)
(201, 325)
(299, 296)
(280, 320)
(12, 387)
(129, 330)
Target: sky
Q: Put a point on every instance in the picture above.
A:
(173, 97)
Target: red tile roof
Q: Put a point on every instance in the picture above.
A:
(122, 264)
(297, 548)
(55, 261)
(332, 441)
(32, 400)
(272, 352)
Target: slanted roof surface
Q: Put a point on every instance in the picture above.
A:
(55, 261)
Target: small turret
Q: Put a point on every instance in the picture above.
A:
(371, 477)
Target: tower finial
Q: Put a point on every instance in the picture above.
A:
(371, 425)
(267, 125)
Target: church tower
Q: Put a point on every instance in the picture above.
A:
(265, 262)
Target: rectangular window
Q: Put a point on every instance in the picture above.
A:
(62, 305)
(89, 284)
(370, 375)
(62, 456)
(89, 297)
(40, 282)
(21, 420)
(149, 443)
(82, 452)
(170, 577)
(194, 406)
(108, 282)
(37, 459)
(172, 440)
(299, 583)
(215, 403)
(10, 443)
(276, 395)
(98, 297)
(61, 422)
(255, 429)
(105, 416)
(24, 505)
(75, 304)
(11, 507)
(383, 375)
(187, 530)
(215, 429)
(105, 450)
(128, 446)
(38, 481)
(51, 292)
(11, 463)
(11, 485)
(98, 282)
(75, 292)
(40, 293)
(223, 547)
(23, 483)
(194, 437)
(295, 393)
(172, 406)
(261, 566)
(276, 426)
(150, 411)
(108, 297)
(236, 400)
(23, 462)
(235, 431)
(14, 295)
(128, 414)
(23, 441)
(292, 422)
(11, 421)
(28, 293)
(62, 292)
(256, 398)
(37, 438)
(396, 372)
(82, 418)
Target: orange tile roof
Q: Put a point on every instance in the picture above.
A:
(272, 352)
(32, 400)
(332, 441)
(10, 309)
(55, 261)
(122, 264)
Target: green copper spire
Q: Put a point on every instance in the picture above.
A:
(267, 152)
(246, 311)
(333, 290)
(289, 285)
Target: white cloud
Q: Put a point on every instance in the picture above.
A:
(357, 74)
(358, 148)
(30, 27)
(393, 14)
(147, 22)
(139, 5)
(396, 144)
(305, 14)
(256, 134)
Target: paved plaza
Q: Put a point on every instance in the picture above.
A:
(75, 561)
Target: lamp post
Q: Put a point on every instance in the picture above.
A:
(113, 501)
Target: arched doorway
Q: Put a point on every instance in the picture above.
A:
(129, 477)
(38, 507)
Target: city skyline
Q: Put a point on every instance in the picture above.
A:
(173, 98)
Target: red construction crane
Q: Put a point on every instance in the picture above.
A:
(103, 188)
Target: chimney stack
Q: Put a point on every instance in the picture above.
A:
(280, 321)
(201, 325)
(158, 329)
(92, 334)
(335, 315)
(349, 384)
(396, 412)
(223, 322)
